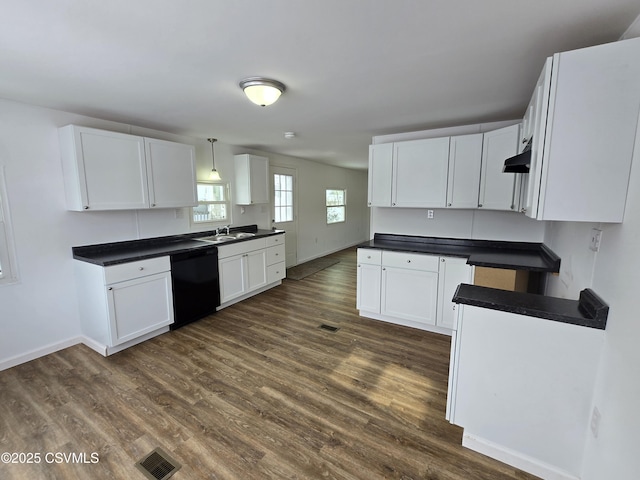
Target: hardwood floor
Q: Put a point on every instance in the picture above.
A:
(257, 391)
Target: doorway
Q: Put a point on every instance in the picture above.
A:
(284, 209)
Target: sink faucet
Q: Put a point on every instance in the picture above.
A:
(226, 227)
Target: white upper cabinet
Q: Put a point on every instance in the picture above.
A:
(114, 171)
(465, 154)
(380, 171)
(428, 173)
(497, 189)
(175, 162)
(103, 170)
(252, 179)
(581, 159)
(420, 169)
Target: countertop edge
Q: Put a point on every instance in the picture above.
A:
(483, 253)
(134, 250)
(533, 305)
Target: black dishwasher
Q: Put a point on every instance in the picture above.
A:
(196, 289)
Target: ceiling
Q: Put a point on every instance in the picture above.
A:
(353, 68)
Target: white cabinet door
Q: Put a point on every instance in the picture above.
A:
(465, 155)
(252, 179)
(453, 271)
(256, 266)
(409, 294)
(420, 169)
(232, 275)
(368, 287)
(590, 129)
(97, 163)
(380, 175)
(498, 189)
(139, 306)
(171, 170)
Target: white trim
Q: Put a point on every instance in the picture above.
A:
(405, 323)
(515, 459)
(39, 352)
(8, 254)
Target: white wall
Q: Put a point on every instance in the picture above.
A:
(38, 314)
(315, 237)
(453, 223)
(616, 277)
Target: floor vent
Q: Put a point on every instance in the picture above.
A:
(329, 328)
(158, 465)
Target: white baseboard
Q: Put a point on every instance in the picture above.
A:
(329, 252)
(39, 352)
(515, 459)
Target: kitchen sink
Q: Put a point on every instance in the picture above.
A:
(216, 238)
(225, 238)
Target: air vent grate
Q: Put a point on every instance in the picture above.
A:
(329, 328)
(158, 465)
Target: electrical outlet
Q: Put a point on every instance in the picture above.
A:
(595, 422)
(596, 238)
(429, 214)
(179, 213)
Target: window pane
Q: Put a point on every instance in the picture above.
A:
(283, 198)
(335, 197)
(210, 192)
(212, 212)
(335, 214)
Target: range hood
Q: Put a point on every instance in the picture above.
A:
(519, 163)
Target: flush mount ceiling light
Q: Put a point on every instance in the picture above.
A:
(214, 175)
(262, 91)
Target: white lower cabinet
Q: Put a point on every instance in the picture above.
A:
(247, 267)
(411, 289)
(124, 304)
(369, 280)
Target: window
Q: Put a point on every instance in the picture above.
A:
(282, 198)
(213, 203)
(8, 272)
(336, 202)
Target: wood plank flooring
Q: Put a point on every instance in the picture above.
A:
(256, 391)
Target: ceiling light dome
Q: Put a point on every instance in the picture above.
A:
(262, 91)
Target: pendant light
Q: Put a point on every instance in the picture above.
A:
(214, 175)
(262, 91)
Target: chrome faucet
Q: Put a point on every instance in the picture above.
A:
(226, 227)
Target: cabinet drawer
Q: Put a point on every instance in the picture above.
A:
(141, 268)
(368, 255)
(276, 272)
(275, 240)
(230, 250)
(412, 261)
(275, 254)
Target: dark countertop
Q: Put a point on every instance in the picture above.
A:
(535, 257)
(106, 254)
(588, 311)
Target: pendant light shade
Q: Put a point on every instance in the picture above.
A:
(214, 175)
(262, 91)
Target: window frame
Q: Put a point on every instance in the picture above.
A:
(226, 202)
(343, 205)
(286, 206)
(8, 263)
